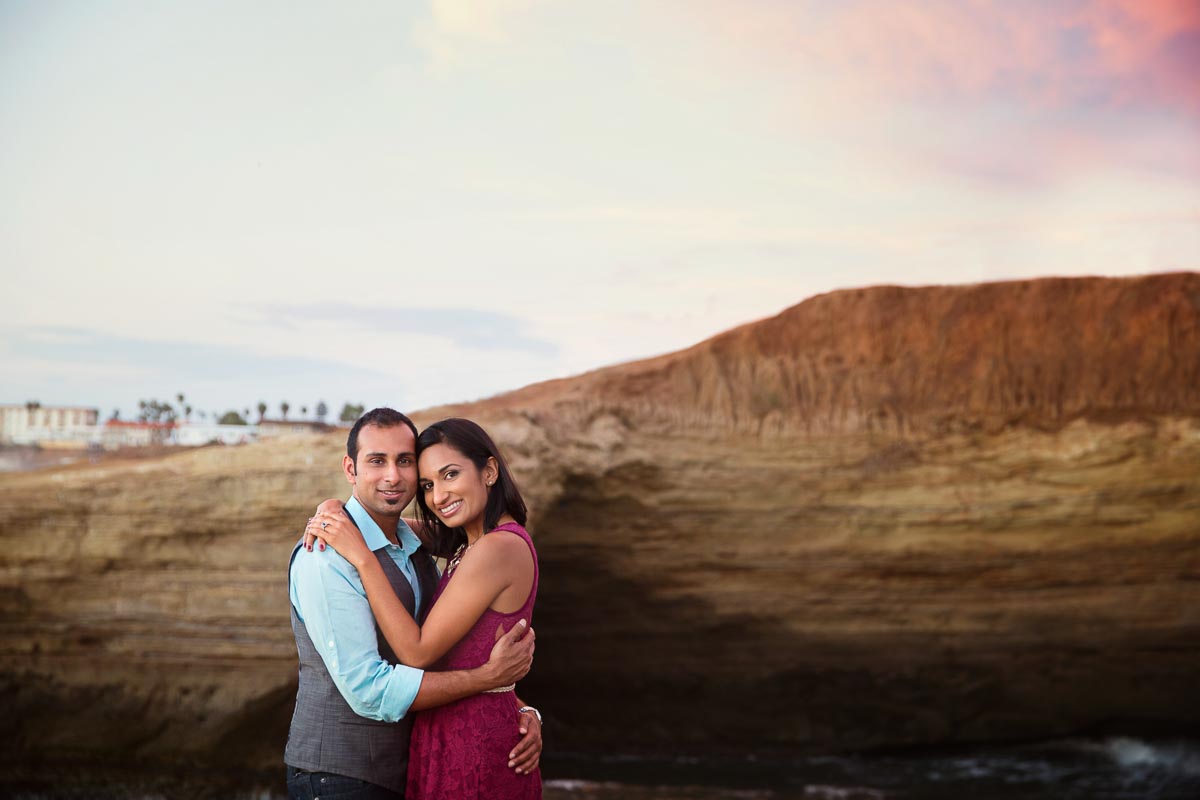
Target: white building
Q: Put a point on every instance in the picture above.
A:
(192, 434)
(48, 425)
(65, 427)
(273, 428)
(118, 433)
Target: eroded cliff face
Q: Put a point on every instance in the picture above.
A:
(141, 601)
(916, 361)
(885, 517)
(849, 592)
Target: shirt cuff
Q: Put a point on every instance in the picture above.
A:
(401, 692)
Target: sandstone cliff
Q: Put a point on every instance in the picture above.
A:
(884, 517)
(892, 359)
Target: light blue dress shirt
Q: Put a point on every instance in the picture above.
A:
(330, 600)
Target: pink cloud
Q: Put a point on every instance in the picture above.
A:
(1020, 91)
(1141, 54)
(1119, 53)
(1097, 53)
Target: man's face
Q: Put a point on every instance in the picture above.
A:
(385, 473)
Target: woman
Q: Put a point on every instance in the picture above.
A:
(470, 508)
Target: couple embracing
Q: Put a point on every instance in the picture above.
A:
(380, 635)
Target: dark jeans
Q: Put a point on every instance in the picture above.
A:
(320, 785)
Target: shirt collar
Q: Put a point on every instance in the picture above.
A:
(374, 536)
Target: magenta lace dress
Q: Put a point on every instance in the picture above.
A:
(459, 751)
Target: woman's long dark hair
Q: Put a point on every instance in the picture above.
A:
(473, 442)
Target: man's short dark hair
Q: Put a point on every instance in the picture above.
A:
(380, 418)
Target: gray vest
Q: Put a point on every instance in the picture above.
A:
(326, 735)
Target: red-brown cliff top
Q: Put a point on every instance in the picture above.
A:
(1038, 352)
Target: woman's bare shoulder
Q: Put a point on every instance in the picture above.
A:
(501, 545)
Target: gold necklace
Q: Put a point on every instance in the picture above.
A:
(457, 557)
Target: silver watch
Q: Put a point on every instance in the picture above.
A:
(536, 713)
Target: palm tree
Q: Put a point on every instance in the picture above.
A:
(283, 407)
(262, 410)
(322, 410)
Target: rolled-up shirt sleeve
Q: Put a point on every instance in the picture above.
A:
(330, 601)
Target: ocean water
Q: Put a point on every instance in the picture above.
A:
(1105, 769)
(1102, 769)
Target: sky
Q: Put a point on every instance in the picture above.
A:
(414, 203)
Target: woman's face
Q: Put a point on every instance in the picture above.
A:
(453, 487)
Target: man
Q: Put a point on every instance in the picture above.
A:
(350, 730)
